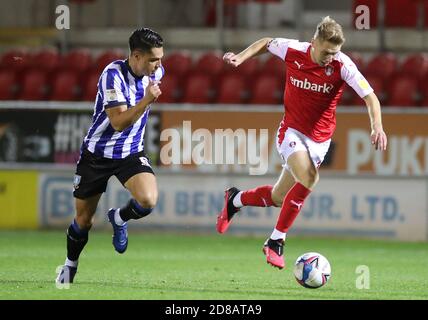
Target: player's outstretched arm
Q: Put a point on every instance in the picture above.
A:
(121, 117)
(255, 49)
(378, 136)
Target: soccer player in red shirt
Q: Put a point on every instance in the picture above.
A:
(316, 74)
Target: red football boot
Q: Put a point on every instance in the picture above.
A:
(225, 217)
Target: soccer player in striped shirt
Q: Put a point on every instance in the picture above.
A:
(114, 146)
(316, 74)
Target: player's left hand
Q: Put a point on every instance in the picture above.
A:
(378, 139)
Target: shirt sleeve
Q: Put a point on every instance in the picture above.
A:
(112, 88)
(279, 46)
(353, 77)
(159, 73)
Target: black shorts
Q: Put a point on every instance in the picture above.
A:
(93, 172)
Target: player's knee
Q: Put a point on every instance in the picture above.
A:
(310, 179)
(277, 197)
(147, 200)
(84, 221)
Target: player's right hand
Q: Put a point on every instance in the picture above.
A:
(232, 59)
(153, 91)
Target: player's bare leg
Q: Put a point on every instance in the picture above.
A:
(143, 188)
(77, 236)
(305, 176)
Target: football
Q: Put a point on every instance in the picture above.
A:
(312, 270)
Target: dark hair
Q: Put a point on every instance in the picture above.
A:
(144, 39)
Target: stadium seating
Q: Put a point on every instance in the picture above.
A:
(198, 89)
(170, 89)
(8, 85)
(402, 91)
(401, 13)
(17, 60)
(34, 86)
(178, 63)
(423, 89)
(266, 89)
(47, 60)
(210, 63)
(106, 58)
(357, 58)
(232, 88)
(50, 75)
(78, 60)
(65, 86)
(246, 69)
(383, 65)
(275, 66)
(415, 65)
(90, 83)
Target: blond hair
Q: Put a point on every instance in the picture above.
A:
(329, 30)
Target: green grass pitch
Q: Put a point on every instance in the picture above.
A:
(176, 266)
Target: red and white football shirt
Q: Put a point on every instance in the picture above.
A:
(313, 91)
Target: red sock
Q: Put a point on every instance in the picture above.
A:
(291, 206)
(258, 197)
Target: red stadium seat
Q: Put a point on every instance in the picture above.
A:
(15, 59)
(106, 58)
(347, 96)
(246, 69)
(48, 60)
(210, 63)
(424, 92)
(357, 58)
(402, 91)
(8, 85)
(274, 66)
(373, 12)
(401, 13)
(178, 63)
(170, 89)
(65, 86)
(266, 89)
(383, 65)
(232, 88)
(34, 85)
(90, 85)
(425, 10)
(79, 60)
(198, 89)
(415, 65)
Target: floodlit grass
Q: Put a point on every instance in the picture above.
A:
(160, 266)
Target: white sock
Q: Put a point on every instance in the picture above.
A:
(117, 218)
(237, 200)
(278, 235)
(71, 263)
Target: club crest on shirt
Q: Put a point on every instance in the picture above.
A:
(145, 161)
(111, 95)
(329, 69)
(292, 144)
(76, 181)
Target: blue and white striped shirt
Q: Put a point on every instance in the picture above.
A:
(118, 85)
